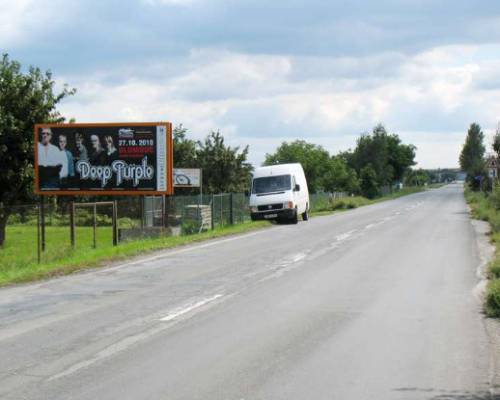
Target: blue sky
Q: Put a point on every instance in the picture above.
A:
(268, 71)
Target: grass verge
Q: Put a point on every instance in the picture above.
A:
(485, 207)
(327, 207)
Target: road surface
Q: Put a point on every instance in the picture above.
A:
(374, 303)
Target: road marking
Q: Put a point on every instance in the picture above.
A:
(124, 344)
(187, 309)
(344, 236)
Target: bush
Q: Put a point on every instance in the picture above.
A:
(494, 197)
(126, 223)
(190, 227)
(492, 306)
(494, 270)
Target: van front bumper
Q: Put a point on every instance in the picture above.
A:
(288, 213)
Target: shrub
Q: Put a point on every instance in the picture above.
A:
(492, 306)
(190, 227)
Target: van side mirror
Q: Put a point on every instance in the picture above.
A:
(296, 188)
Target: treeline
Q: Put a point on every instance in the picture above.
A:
(378, 161)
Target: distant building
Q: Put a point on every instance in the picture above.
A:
(492, 165)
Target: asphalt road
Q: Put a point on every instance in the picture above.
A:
(374, 303)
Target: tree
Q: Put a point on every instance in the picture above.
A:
(472, 155)
(314, 159)
(184, 149)
(368, 182)
(26, 98)
(225, 169)
(340, 177)
(496, 141)
(417, 177)
(388, 157)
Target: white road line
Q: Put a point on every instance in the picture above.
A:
(344, 236)
(189, 308)
(132, 340)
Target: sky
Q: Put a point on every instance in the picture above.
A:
(264, 72)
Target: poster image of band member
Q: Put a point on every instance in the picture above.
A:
(111, 150)
(98, 155)
(52, 162)
(81, 149)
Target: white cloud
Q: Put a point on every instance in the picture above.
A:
(22, 21)
(261, 100)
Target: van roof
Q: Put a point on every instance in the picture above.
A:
(278, 169)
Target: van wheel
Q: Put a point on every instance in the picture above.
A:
(305, 216)
(295, 218)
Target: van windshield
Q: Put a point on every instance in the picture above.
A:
(271, 184)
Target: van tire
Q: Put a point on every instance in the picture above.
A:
(295, 218)
(305, 216)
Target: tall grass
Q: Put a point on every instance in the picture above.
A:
(486, 207)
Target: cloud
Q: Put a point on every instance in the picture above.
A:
(259, 99)
(264, 72)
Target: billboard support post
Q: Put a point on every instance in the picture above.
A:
(72, 223)
(42, 221)
(115, 223)
(94, 225)
(38, 234)
(143, 199)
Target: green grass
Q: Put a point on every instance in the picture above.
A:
(485, 206)
(18, 258)
(325, 207)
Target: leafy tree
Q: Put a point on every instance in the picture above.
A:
(368, 182)
(417, 177)
(26, 98)
(184, 149)
(472, 155)
(496, 141)
(386, 154)
(314, 159)
(340, 177)
(225, 169)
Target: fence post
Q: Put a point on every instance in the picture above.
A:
(212, 212)
(231, 210)
(115, 223)
(72, 223)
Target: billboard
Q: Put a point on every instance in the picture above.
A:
(187, 177)
(104, 159)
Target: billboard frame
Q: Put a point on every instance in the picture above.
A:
(170, 162)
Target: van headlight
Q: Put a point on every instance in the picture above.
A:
(288, 204)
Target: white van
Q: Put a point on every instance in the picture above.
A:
(279, 192)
